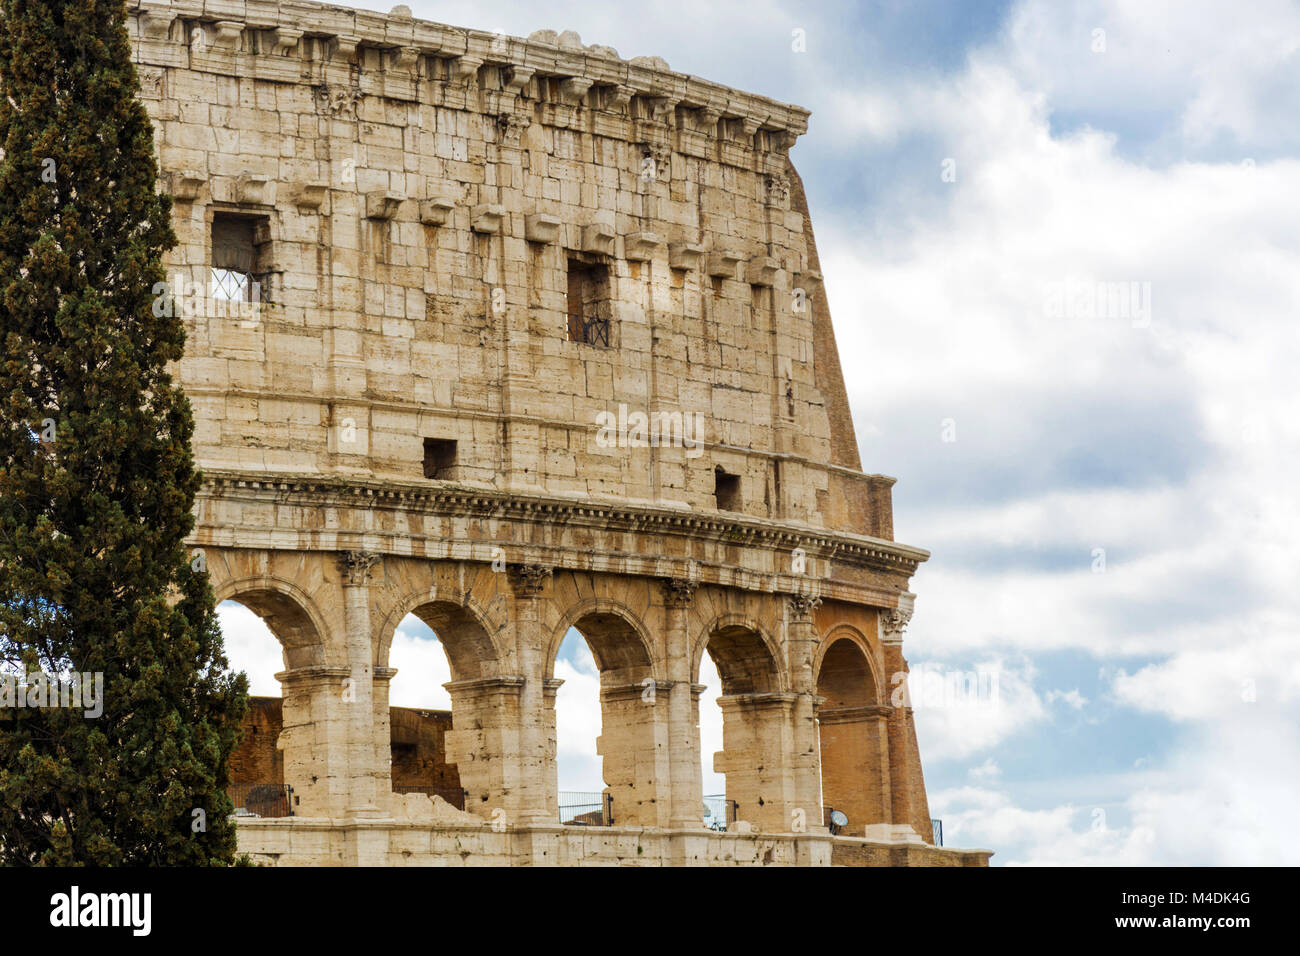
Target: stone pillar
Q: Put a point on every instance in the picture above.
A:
(551, 776)
(363, 774)
(533, 802)
(484, 743)
(805, 762)
(383, 737)
(312, 737)
(904, 771)
(686, 785)
(756, 756)
(633, 745)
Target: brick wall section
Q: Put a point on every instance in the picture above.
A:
(854, 502)
(851, 753)
(419, 749)
(256, 759)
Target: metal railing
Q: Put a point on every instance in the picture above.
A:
(588, 330)
(453, 795)
(261, 799)
(719, 812)
(937, 827)
(585, 809)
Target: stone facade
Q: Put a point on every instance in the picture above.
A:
(416, 739)
(539, 342)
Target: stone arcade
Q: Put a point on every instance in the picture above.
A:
(467, 248)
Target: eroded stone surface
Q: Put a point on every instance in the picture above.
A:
(409, 420)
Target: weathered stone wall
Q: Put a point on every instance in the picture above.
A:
(424, 210)
(422, 190)
(418, 751)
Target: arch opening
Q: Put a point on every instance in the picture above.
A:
(853, 740)
(439, 710)
(268, 635)
(608, 676)
(755, 731)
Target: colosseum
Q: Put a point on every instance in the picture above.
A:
(520, 337)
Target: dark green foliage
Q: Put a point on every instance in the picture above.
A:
(94, 575)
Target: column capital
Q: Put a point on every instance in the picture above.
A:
(528, 580)
(893, 622)
(357, 565)
(802, 607)
(678, 592)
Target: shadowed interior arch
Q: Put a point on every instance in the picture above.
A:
(470, 651)
(845, 678)
(619, 652)
(279, 746)
(744, 661)
(288, 621)
(457, 756)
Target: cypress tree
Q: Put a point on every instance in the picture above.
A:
(97, 479)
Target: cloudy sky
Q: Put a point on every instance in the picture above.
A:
(1107, 483)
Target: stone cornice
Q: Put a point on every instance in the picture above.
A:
(838, 547)
(313, 673)
(285, 25)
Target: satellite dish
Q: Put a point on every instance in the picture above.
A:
(838, 819)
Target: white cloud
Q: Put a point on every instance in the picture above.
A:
(1216, 802)
(710, 726)
(1071, 698)
(1064, 835)
(1259, 674)
(422, 668)
(1201, 547)
(577, 718)
(963, 712)
(1213, 72)
(251, 648)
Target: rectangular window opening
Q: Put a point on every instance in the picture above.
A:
(589, 303)
(726, 490)
(440, 458)
(240, 256)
